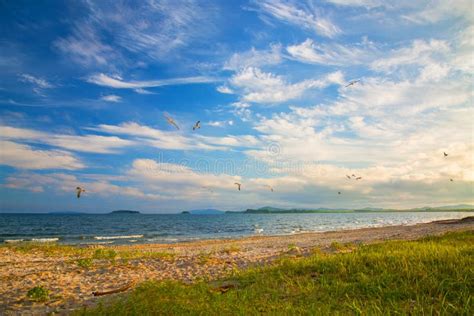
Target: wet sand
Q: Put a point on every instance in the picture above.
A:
(71, 286)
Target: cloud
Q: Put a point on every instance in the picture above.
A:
(332, 53)
(111, 98)
(86, 143)
(256, 58)
(39, 84)
(420, 52)
(173, 140)
(439, 10)
(220, 123)
(113, 34)
(358, 3)
(66, 183)
(225, 90)
(24, 157)
(117, 83)
(242, 111)
(85, 47)
(143, 91)
(259, 87)
(304, 16)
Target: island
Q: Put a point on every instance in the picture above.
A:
(125, 212)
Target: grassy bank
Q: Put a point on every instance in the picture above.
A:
(433, 275)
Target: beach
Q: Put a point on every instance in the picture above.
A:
(72, 273)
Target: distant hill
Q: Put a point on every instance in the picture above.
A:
(66, 213)
(209, 211)
(124, 212)
(274, 210)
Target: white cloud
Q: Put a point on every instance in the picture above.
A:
(174, 141)
(439, 10)
(143, 91)
(305, 16)
(85, 47)
(39, 82)
(332, 53)
(86, 143)
(420, 52)
(220, 123)
(111, 98)
(255, 58)
(66, 183)
(24, 157)
(225, 90)
(260, 87)
(156, 30)
(242, 111)
(358, 3)
(117, 83)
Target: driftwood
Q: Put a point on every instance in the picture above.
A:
(121, 289)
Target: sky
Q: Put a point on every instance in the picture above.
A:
(85, 87)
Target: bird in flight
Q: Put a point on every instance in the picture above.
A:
(348, 177)
(171, 121)
(79, 190)
(358, 178)
(238, 185)
(207, 188)
(270, 187)
(197, 125)
(353, 82)
(445, 154)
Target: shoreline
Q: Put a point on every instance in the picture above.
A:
(73, 273)
(140, 238)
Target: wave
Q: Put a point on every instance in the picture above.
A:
(118, 237)
(12, 241)
(44, 239)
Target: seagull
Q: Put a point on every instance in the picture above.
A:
(348, 177)
(445, 154)
(257, 229)
(207, 188)
(269, 186)
(238, 185)
(197, 125)
(171, 121)
(358, 178)
(79, 190)
(353, 82)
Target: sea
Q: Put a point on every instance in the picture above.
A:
(171, 228)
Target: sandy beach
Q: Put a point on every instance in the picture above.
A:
(71, 283)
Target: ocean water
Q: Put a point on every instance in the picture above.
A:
(144, 228)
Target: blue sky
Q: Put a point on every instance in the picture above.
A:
(85, 87)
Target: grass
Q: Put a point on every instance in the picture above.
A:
(38, 294)
(84, 256)
(433, 275)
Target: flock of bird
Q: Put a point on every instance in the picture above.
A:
(197, 125)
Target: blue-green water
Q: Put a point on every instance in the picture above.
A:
(141, 228)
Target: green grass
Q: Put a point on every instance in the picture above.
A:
(433, 275)
(84, 256)
(38, 294)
